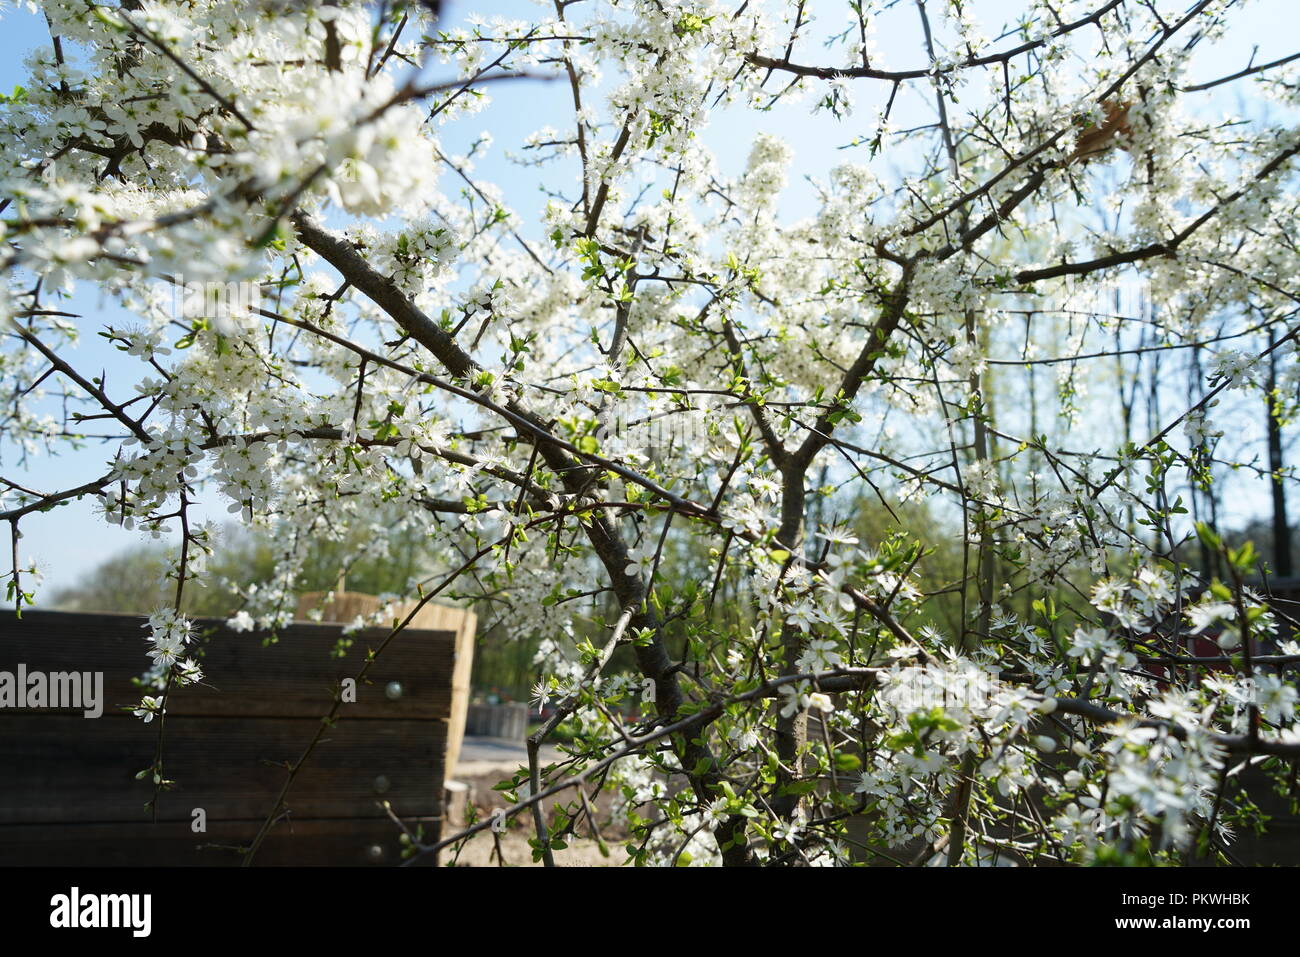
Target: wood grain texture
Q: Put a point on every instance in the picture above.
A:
(294, 677)
(63, 768)
(347, 843)
(70, 793)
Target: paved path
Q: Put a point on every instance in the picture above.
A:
(481, 755)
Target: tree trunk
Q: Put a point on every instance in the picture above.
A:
(1281, 528)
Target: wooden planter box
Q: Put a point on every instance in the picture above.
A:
(70, 795)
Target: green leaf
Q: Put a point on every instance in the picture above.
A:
(847, 762)
(1207, 535)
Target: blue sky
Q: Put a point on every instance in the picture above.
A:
(70, 540)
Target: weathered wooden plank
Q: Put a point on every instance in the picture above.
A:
(294, 677)
(342, 606)
(70, 795)
(461, 688)
(1278, 846)
(346, 842)
(60, 768)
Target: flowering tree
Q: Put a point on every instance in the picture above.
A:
(645, 420)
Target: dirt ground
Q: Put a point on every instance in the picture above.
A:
(480, 851)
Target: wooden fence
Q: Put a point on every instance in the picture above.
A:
(70, 795)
